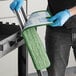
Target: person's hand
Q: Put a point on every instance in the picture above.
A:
(16, 5)
(60, 18)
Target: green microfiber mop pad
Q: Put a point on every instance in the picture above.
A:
(33, 41)
(36, 48)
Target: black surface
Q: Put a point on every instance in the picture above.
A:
(58, 5)
(7, 29)
(22, 61)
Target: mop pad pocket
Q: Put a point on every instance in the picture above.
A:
(38, 18)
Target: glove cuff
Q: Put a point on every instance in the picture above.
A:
(68, 12)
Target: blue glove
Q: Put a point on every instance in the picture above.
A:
(60, 18)
(16, 5)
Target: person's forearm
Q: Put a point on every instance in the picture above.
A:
(73, 11)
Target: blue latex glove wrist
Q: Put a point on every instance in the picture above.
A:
(16, 5)
(60, 18)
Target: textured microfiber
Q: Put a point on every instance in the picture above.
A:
(36, 48)
(33, 41)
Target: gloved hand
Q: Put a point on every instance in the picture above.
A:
(60, 18)
(16, 5)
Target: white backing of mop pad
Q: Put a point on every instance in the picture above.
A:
(38, 18)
